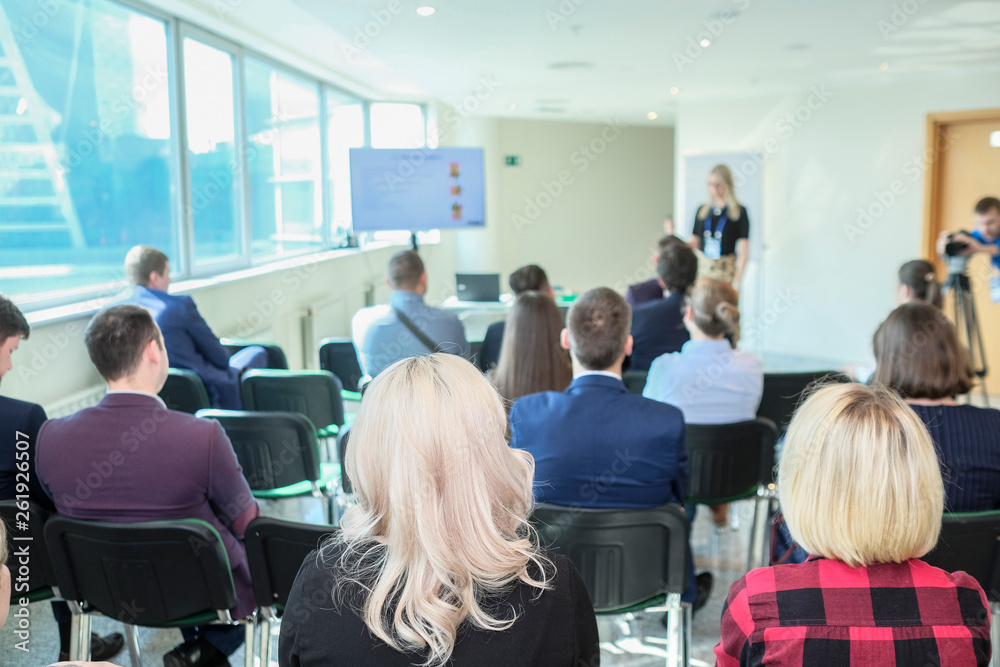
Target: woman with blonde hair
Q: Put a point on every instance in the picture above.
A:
(436, 564)
(531, 358)
(722, 230)
(918, 354)
(861, 491)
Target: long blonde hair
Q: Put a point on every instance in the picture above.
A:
(732, 203)
(859, 477)
(440, 526)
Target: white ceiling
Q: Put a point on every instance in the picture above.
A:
(625, 56)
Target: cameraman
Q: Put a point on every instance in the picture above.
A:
(984, 238)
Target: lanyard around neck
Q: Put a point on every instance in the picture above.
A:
(719, 226)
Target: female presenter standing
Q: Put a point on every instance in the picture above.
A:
(722, 230)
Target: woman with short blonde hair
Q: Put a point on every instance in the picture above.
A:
(438, 548)
(862, 492)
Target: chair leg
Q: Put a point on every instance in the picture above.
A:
(995, 634)
(675, 633)
(755, 557)
(249, 641)
(79, 648)
(265, 642)
(132, 639)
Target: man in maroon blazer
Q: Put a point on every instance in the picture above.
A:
(129, 458)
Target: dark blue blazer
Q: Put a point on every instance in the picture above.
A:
(657, 328)
(20, 422)
(191, 344)
(644, 292)
(597, 445)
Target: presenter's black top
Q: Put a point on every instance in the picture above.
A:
(732, 230)
(967, 439)
(554, 628)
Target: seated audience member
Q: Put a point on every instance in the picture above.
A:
(861, 490)
(918, 282)
(189, 340)
(436, 564)
(918, 354)
(532, 358)
(21, 421)
(658, 326)
(708, 380)
(652, 289)
(184, 469)
(596, 427)
(527, 278)
(406, 327)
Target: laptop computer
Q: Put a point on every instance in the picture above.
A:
(478, 286)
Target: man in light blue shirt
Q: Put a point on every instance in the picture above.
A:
(406, 327)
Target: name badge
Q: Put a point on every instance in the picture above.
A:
(995, 289)
(713, 247)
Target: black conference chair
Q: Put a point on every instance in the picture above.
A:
(729, 462)
(783, 392)
(161, 574)
(635, 381)
(970, 542)
(279, 454)
(275, 355)
(25, 528)
(184, 391)
(630, 560)
(275, 551)
(340, 357)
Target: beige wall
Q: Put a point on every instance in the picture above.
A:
(586, 203)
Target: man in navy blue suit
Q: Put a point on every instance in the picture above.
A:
(596, 445)
(658, 325)
(21, 421)
(189, 340)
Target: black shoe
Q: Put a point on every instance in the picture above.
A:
(102, 649)
(703, 583)
(195, 653)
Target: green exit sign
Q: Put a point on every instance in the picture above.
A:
(512, 160)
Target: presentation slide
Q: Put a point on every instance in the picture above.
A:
(417, 189)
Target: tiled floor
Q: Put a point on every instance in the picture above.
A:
(723, 555)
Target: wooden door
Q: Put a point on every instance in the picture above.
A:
(962, 167)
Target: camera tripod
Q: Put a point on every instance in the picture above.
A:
(966, 320)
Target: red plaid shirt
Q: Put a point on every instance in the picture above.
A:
(823, 612)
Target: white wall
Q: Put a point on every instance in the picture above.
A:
(586, 203)
(828, 280)
(53, 363)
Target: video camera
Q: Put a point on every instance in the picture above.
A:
(957, 262)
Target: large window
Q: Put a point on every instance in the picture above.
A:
(85, 150)
(396, 125)
(345, 130)
(284, 161)
(211, 149)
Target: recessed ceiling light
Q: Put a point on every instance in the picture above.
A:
(425, 11)
(706, 42)
(571, 65)
(651, 115)
(995, 139)
(799, 46)
(884, 66)
(675, 90)
(512, 106)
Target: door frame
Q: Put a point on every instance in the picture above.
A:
(936, 125)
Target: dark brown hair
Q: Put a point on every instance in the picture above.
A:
(141, 261)
(920, 277)
(987, 204)
(666, 241)
(12, 321)
(528, 278)
(677, 267)
(405, 269)
(531, 358)
(918, 354)
(116, 338)
(715, 305)
(599, 322)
